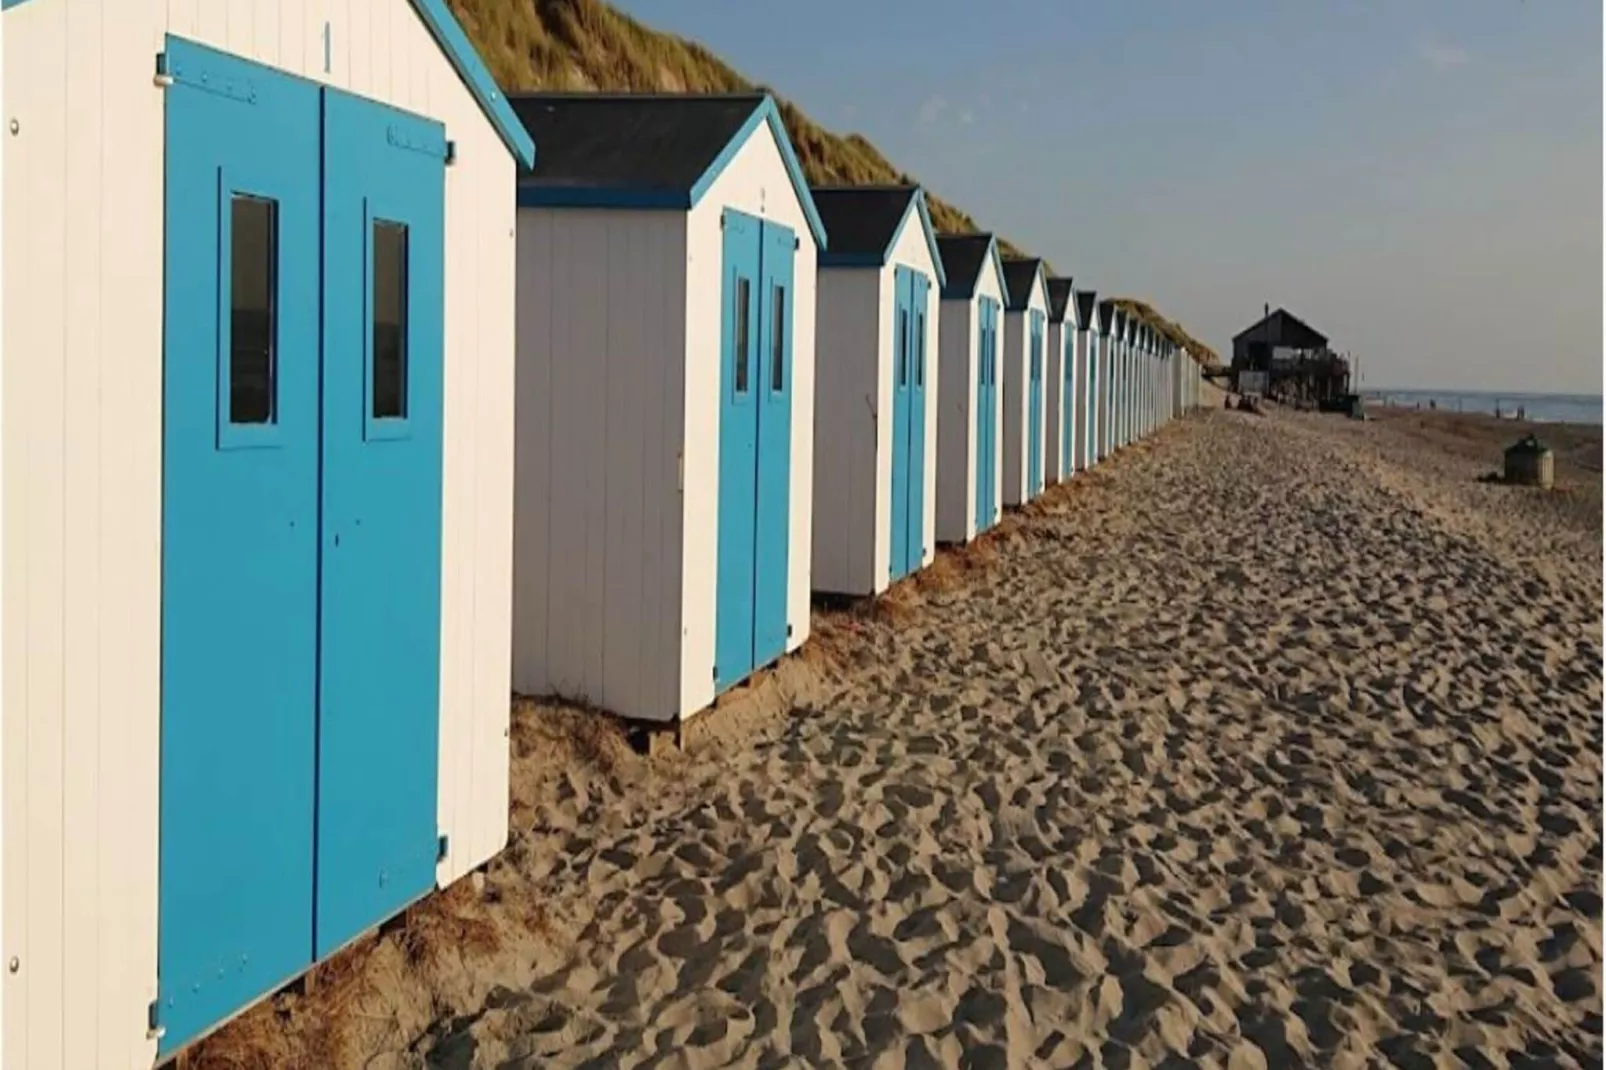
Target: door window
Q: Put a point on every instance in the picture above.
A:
(778, 340)
(740, 346)
(388, 400)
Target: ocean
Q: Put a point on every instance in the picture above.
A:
(1540, 408)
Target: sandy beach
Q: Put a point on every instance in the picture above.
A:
(1274, 742)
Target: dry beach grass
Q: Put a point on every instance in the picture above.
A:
(1275, 742)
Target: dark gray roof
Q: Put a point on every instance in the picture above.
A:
(1085, 307)
(1019, 274)
(634, 141)
(862, 219)
(963, 257)
(1283, 328)
(1059, 300)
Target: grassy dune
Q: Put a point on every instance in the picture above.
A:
(586, 44)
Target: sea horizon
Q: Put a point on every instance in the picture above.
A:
(1537, 406)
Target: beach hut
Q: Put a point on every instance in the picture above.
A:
(257, 522)
(1116, 402)
(1101, 344)
(970, 464)
(1087, 357)
(1060, 421)
(875, 395)
(665, 449)
(1025, 340)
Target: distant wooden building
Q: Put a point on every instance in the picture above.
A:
(1060, 381)
(1283, 357)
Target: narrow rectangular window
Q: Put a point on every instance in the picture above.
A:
(253, 309)
(778, 341)
(740, 342)
(920, 349)
(903, 347)
(389, 399)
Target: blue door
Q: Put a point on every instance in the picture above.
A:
(738, 451)
(755, 447)
(774, 534)
(239, 536)
(920, 289)
(911, 290)
(902, 346)
(300, 527)
(1034, 409)
(379, 681)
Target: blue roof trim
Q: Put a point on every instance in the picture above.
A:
(917, 202)
(455, 43)
(8, 4)
(766, 112)
(853, 260)
(600, 197)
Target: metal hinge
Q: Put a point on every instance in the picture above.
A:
(154, 1029)
(442, 847)
(789, 631)
(164, 77)
(797, 243)
(451, 153)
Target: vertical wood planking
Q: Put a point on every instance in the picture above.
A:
(532, 452)
(40, 106)
(81, 581)
(130, 487)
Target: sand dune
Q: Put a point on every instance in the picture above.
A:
(1274, 743)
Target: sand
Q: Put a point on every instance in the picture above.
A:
(1274, 742)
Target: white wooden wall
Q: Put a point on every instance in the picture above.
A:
(852, 348)
(958, 350)
(82, 425)
(755, 182)
(1014, 358)
(601, 344)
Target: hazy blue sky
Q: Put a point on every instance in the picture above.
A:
(1419, 180)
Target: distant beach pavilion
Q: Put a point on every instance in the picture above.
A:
(876, 388)
(1087, 341)
(970, 462)
(1025, 339)
(1060, 382)
(667, 251)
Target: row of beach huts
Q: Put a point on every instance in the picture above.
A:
(342, 392)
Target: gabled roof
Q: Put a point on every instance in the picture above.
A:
(1086, 310)
(964, 256)
(865, 222)
(1107, 312)
(1282, 327)
(1059, 300)
(1117, 321)
(1020, 274)
(645, 150)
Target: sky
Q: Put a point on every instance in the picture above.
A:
(1420, 181)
